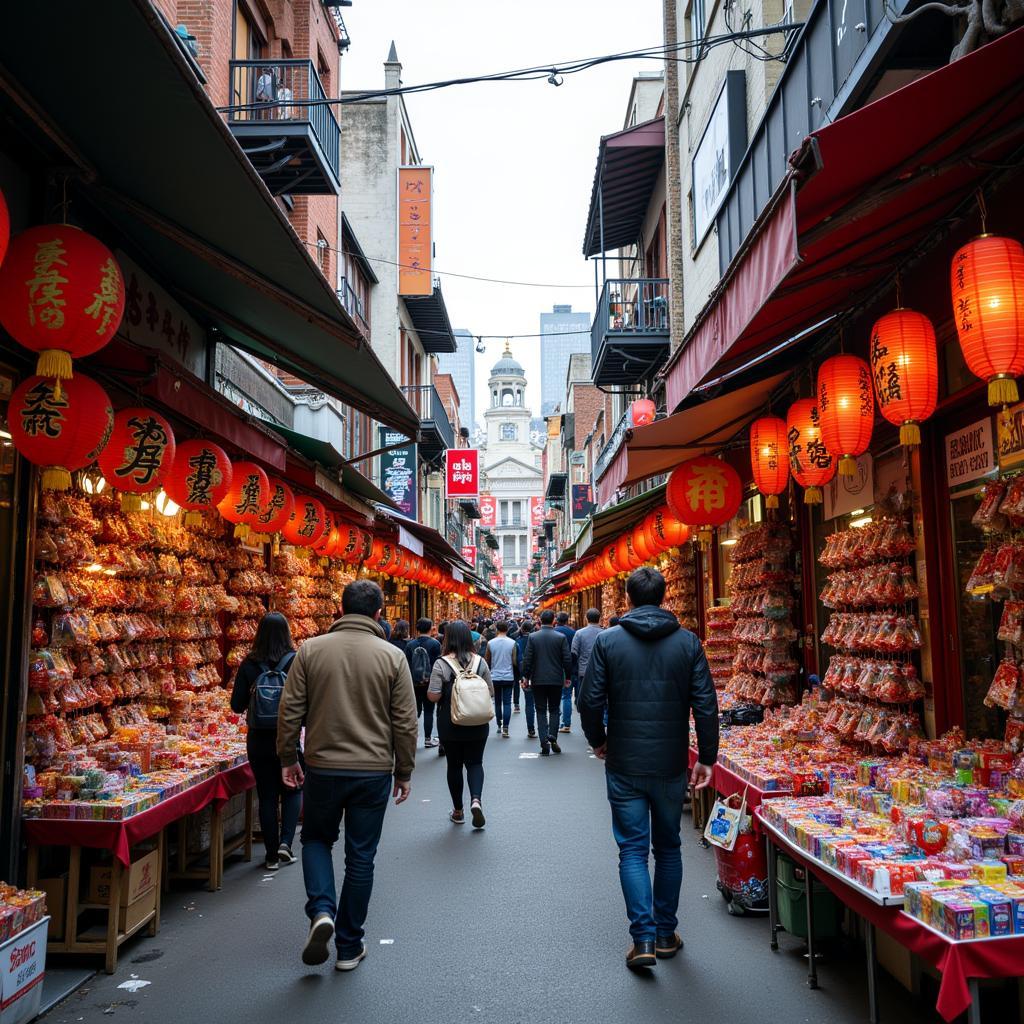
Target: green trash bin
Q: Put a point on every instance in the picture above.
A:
(792, 900)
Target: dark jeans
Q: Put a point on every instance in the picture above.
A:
(516, 689)
(531, 710)
(503, 703)
(468, 754)
(361, 801)
(549, 703)
(645, 815)
(274, 796)
(425, 708)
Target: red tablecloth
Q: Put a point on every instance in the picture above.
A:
(727, 783)
(956, 962)
(120, 836)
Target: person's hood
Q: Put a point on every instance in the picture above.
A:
(360, 623)
(649, 622)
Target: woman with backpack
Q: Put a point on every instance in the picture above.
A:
(257, 692)
(461, 669)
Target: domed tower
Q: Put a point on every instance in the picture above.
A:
(508, 418)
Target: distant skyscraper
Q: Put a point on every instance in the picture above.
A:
(563, 332)
(461, 364)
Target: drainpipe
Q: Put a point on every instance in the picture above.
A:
(673, 179)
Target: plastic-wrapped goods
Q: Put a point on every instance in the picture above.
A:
(1011, 624)
(1005, 688)
(988, 516)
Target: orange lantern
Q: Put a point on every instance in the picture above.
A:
(809, 460)
(846, 410)
(278, 508)
(640, 545)
(138, 455)
(704, 492)
(905, 370)
(768, 459)
(60, 430)
(199, 477)
(307, 524)
(665, 530)
(353, 546)
(247, 497)
(642, 412)
(61, 295)
(988, 307)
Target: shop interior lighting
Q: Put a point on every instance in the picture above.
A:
(93, 484)
(728, 543)
(165, 505)
(95, 567)
(109, 572)
(864, 521)
(5, 434)
(858, 512)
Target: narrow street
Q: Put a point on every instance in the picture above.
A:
(521, 922)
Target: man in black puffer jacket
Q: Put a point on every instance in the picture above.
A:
(650, 672)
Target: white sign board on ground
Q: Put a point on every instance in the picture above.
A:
(22, 965)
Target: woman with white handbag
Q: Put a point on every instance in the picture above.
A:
(460, 684)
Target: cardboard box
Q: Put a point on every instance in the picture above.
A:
(140, 877)
(56, 890)
(135, 913)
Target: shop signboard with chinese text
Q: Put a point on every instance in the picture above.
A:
(970, 453)
(398, 473)
(582, 501)
(415, 232)
(488, 510)
(462, 473)
(536, 511)
(469, 553)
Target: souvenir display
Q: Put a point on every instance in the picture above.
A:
(19, 909)
(719, 645)
(681, 587)
(308, 592)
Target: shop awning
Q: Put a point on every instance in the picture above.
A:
(863, 196)
(703, 426)
(432, 541)
(148, 149)
(628, 165)
(605, 526)
(429, 316)
(557, 483)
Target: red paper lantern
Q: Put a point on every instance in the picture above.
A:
(247, 497)
(988, 307)
(138, 455)
(5, 227)
(846, 409)
(278, 508)
(905, 370)
(328, 544)
(810, 462)
(59, 430)
(642, 412)
(663, 529)
(61, 295)
(307, 524)
(704, 492)
(768, 458)
(353, 546)
(640, 545)
(199, 477)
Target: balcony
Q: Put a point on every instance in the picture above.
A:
(354, 307)
(629, 341)
(436, 430)
(281, 119)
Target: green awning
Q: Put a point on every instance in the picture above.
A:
(606, 525)
(143, 145)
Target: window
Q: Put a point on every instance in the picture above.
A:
(522, 550)
(248, 46)
(697, 19)
(509, 432)
(508, 550)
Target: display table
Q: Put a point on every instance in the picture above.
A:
(119, 837)
(960, 964)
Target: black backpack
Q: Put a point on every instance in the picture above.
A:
(266, 694)
(419, 662)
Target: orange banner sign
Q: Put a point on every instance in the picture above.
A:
(415, 235)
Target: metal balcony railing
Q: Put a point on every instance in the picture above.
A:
(353, 306)
(431, 411)
(631, 306)
(286, 92)
(513, 521)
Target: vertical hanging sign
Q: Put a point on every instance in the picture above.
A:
(398, 477)
(488, 510)
(415, 231)
(462, 472)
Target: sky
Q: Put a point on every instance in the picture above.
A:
(514, 161)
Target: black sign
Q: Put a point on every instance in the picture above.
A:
(582, 501)
(398, 477)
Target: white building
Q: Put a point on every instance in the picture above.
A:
(512, 470)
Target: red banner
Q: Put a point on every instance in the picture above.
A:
(415, 238)
(488, 510)
(462, 472)
(537, 511)
(469, 553)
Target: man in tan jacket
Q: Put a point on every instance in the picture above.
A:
(353, 692)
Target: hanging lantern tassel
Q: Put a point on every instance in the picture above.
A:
(53, 362)
(241, 531)
(131, 502)
(910, 434)
(771, 501)
(1002, 390)
(193, 518)
(275, 547)
(55, 478)
(812, 496)
(847, 466)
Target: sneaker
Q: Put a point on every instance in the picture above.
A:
(271, 865)
(428, 743)
(285, 855)
(532, 734)
(504, 733)
(515, 710)
(457, 817)
(565, 728)
(641, 955)
(554, 746)
(545, 750)
(351, 963)
(320, 933)
(666, 946)
(477, 813)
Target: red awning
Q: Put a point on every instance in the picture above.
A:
(864, 193)
(628, 165)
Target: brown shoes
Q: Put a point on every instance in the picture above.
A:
(667, 946)
(641, 955)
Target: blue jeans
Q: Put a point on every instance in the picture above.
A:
(362, 802)
(531, 711)
(569, 695)
(503, 703)
(646, 811)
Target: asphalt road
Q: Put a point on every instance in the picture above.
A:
(521, 922)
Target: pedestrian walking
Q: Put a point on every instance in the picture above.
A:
(531, 708)
(422, 653)
(353, 692)
(547, 669)
(651, 673)
(580, 647)
(501, 659)
(258, 682)
(400, 635)
(464, 743)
